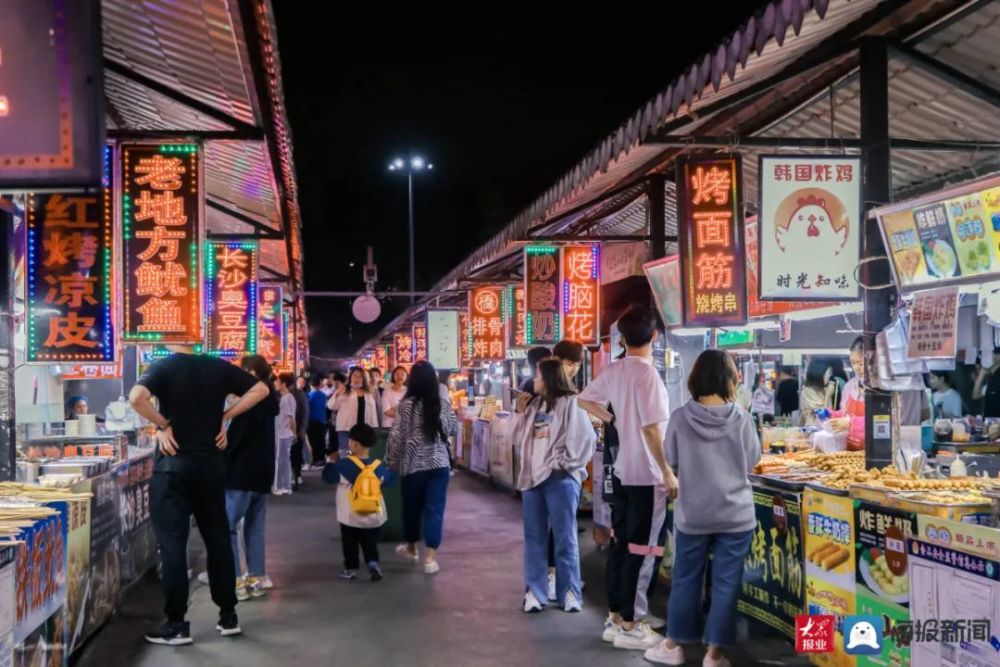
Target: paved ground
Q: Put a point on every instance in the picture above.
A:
(466, 616)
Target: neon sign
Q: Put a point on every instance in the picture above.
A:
(379, 358)
(710, 223)
(581, 294)
(69, 305)
(486, 330)
(419, 341)
(515, 316)
(465, 340)
(272, 331)
(231, 293)
(403, 342)
(161, 226)
(541, 285)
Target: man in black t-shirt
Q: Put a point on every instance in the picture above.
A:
(189, 477)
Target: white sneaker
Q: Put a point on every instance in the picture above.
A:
(552, 588)
(403, 550)
(610, 630)
(266, 583)
(655, 622)
(662, 654)
(203, 578)
(432, 567)
(572, 603)
(639, 638)
(721, 662)
(531, 604)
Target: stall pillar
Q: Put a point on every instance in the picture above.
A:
(7, 436)
(656, 216)
(876, 190)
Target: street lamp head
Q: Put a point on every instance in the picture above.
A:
(430, 166)
(417, 163)
(398, 163)
(392, 167)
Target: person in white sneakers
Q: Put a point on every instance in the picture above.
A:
(645, 482)
(557, 441)
(713, 444)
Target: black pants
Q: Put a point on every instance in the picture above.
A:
(296, 456)
(317, 441)
(366, 538)
(174, 496)
(638, 524)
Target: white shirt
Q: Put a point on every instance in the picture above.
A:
(390, 400)
(286, 415)
(639, 399)
(346, 407)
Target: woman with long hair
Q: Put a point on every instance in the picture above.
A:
(713, 513)
(557, 441)
(392, 395)
(354, 403)
(249, 475)
(818, 391)
(418, 451)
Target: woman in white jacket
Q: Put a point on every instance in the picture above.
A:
(354, 404)
(557, 441)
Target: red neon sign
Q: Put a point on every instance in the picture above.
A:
(403, 342)
(541, 284)
(419, 341)
(486, 328)
(581, 302)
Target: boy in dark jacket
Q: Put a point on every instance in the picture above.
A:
(356, 528)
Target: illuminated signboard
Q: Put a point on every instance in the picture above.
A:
(541, 284)
(581, 294)
(420, 341)
(379, 358)
(515, 316)
(710, 225)
(757, 308)
(810, 227)
(486, 330)
(231, 294)
(51, 94)
(465, 348)
(69, 305)
(112, 371)
(271, 330)
(403, 342)
(161, 241)
(442, 339)
(288, 359)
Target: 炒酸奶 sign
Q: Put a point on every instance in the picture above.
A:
(271, 334)
(710, 225)
(486, 327)
(581, 294)
(161, 241)
(541, 287)
(69, 304)
(231, 281)
(810, 227)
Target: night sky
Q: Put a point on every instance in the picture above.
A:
(501, 113)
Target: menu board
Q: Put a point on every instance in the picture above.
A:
(442, 339)
(541, 285)
(773, 590)
(231, 294)
(933, 324)
(486, 328)
(581, 294)
(951, 237)
(710, 227)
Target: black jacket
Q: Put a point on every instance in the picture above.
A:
(250, 452)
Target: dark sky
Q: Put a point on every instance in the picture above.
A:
(502, 114)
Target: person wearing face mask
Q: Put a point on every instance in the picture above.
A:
(354, 404)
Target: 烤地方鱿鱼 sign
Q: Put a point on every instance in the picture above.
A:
(231, 293)
(710, 225)
(70, 257)
(581, 295)
(486, 327)
(161, 242)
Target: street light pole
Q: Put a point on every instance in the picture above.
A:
(415, 163)
(413, 287)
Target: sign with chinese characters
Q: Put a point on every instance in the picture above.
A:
(51, 94)
(486, 329)
(40, 588)
(161, 241)
(541, 285)
(69, 305)
(442, 339)
(420, 341)
(933, 324)
(773, 590)
(515, 316)
(757, 308)
(271, 330)
(710, 226)
(621, 260)
(810, 227)
(947, 237)
(664, 276)
(403, 342)
(464, 340)
(231, 294)
(379, 358)
(581, 294)
(111, 371)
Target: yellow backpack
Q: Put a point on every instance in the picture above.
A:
(366, 493)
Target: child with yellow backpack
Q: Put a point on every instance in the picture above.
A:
(360, 505)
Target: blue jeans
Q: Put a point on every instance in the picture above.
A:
(342, 444)
(685, 606)
(251, 508)
(283, 470)
(424, 496)
(552, 503)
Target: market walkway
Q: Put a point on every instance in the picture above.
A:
(466, 616)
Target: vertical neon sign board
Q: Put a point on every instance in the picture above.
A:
(161, 240)
(515, 316)
(379, 358)
(231, 294)
(70, 255)
(403, 342)
(710, 225)
(486, 330)
(581, 294)
(271, 333)
(464, 338)
(541, 287)
(420, 341)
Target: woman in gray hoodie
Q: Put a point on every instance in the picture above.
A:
(712, 445)
(557, 441)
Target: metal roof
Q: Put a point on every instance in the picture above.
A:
(200, 66)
